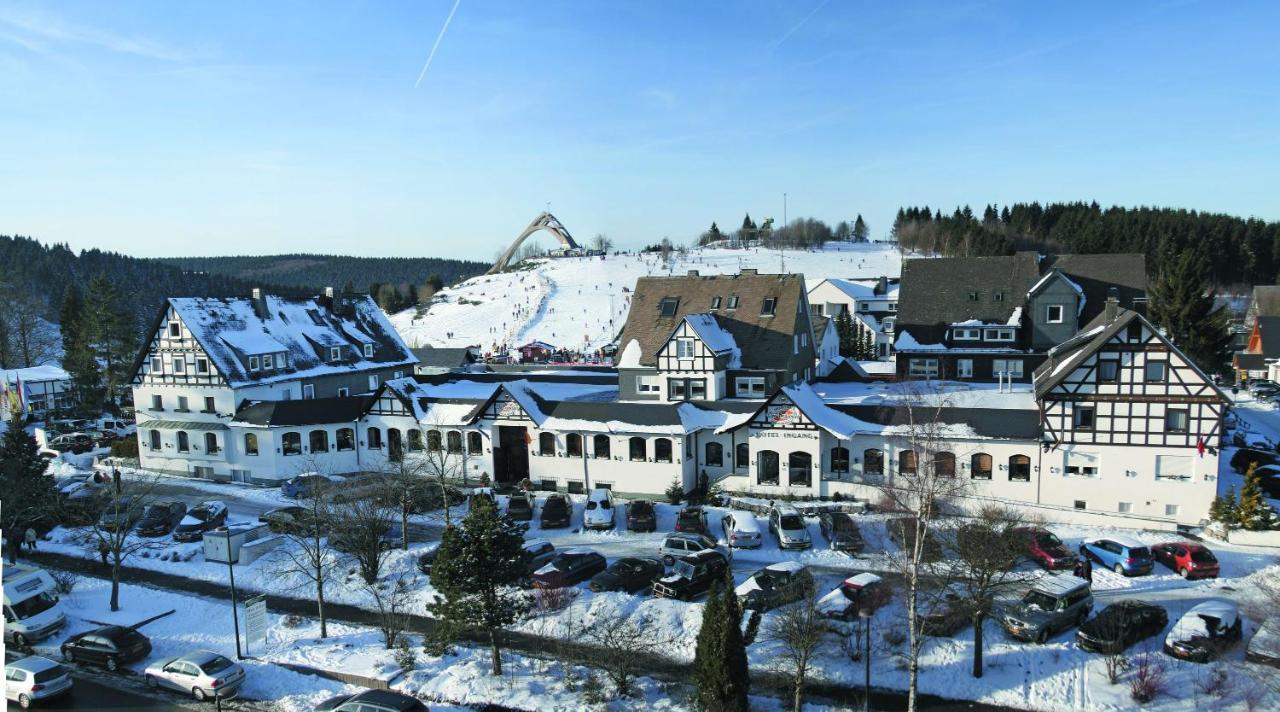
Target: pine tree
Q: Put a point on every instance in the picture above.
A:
(720, 676)
(1254, 512)
(860, 231)
(26, 487)
(111, 335)
(848, 335)
(737, 694)
(1224, 508)
(77, 354)
(1182, 303)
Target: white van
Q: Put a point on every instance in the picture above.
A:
(31, 610)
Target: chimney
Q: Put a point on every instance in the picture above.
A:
(326, 299)
(260, 304)
(693, 273)
(882, 286)
(1113, 304)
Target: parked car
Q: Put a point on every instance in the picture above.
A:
(1205, 631)
(287, 518)
(72, 483)
(1264, 648)
(841, 531)
(35, 679)
(1191, 561)
(82, 506)
(741, 530)
(537, 553)
(555, 512)
(692, 576)
(1053, 604)
(352, 489)
(630, 574)
(108, 646)
(569, 568)
(775, 585)
(692, 519)
(160, 518)
(372, 701)
(641, 516)
(201, 518)
(860, 594)
(1124, 555)
(295, 487)
(74, 443)
(119, 515)
(950, 612)
(902, 531)
(598, 514)
(1043, 547)
(519, 507)
(787, 524)
(1120, 625)
(202, 674)
(678, 546)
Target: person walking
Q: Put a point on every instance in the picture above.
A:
(1086, 567)
(1078, 571)
(103, 551)
(30, 538)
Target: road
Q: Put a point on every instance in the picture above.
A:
(94, 691)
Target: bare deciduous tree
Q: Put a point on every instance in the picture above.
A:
(391, 598)
(307, 554)
(112, 532)
(621, 640)
(797, 630)
(601, 242)
(361, 526)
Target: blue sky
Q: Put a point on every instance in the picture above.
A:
(167, 128)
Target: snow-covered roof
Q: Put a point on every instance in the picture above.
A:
(630, 357)
(714, 337)
(34, 374)
(230, 330)
(793, 567)
(862, 580)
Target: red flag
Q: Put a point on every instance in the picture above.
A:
(1200, 446)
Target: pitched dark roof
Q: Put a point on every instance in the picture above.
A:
(444, 357)
(1266, 300)
(1096, 274)
(1250, 362)
(766, 341)
(593, 376)
(314, 411)
(936, 290)
(1004, 423)
(1269, 329)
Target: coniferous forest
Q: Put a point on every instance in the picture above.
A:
(1236, 251)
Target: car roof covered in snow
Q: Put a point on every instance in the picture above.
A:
(788, 566)
(744, 521)
(1125, 541)
(862, 580)
(1058, 585)
(32, 663)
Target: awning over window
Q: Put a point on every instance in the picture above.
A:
(180, 425)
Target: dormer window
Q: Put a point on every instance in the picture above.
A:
(268, 362)
(368, 350)
(893, 306)
(175, 329)
(999, 335)
(1053, 314)
(966, 334)
(253, 363)
(769, 306)
(282, 360)
(715, 302)
(864, 307)
(668, 306)
(335, 353)
(733, 301)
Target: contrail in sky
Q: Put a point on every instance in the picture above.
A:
(795, 27)
(436, 46)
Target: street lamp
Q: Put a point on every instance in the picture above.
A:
(865, 615)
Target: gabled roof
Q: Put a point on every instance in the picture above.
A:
(937, 290)
(436, 357)
(231, 329)
(765, 340)
(713, 336)
(1096, 274)
(1269, 329)
(315, 411)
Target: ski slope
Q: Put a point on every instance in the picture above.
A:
(581, 302)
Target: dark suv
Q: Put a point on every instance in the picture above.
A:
(692, 576)
(160, 518)
(641, 516)
(692, 520)
(775, 585)
(555, 512)
(1120, 625)
(519, 507)
(841, 531)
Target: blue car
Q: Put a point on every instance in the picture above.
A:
(297, 486)
(1125, 556)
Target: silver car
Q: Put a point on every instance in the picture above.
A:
(29, 680)
(202, 673)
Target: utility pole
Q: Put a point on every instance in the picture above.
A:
(235, 616)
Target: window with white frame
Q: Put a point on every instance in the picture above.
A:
(308, 391)
(1174, 467)
(1011, 367)
(684, 348)
(202, 365)
(335, 353)
(175, 329)
(733, 301)
(344, 392)
(864, 307)
(253, 363)
(368, 350)
(268, 362)
(647, 384)
(1175, 420)
(1053, 313)
(179, 365)
(893, 306)
(1171, 510)
(768, 306)
(964, 368)
(923, 367)
(966, 334)
(1125, 508)
(749, 386)
(373, 382)
(1155, 371)
(999, 335)
(282, 360)
(1080, 464)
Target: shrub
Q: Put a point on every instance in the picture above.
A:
(550, 600)
(593, 690)
(292, 620)
(675, 493)
(895, 636)
(1214, 682)
(1148, 678)
(404, 655)
(64, 581)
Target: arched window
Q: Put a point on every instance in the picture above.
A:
(346, 439)
(210, 443)
(715, 454)
(453, 440)
(1019, 468)
(291, 443)
(395, 444)
(415, 440)
(547, 444)
(873, 462)
(767, 467)
(800, 469)
(840, 460)
(600, 446)
(184, 442)
(907, 462)
(319, 441)
(375, 438)
(573, 444)
(662, 450)
(944, 464)
(250, 444)
(980, 466)
(742, 457)
(639, 451)
(154, 436)
(474, 443)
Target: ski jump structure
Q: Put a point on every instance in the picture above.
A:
(544, 221)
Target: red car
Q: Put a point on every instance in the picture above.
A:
(1189, 560)
(1043, 547)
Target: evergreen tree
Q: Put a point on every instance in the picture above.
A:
(112, 337)
(860, 231)
(1182, 303)
(712, 235)
(848, 335)
(78, 357)
(1254, 512)
(1223, 509)
(720, 676)
(478, 573)
(26, 487)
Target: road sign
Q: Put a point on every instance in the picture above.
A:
(255, 619)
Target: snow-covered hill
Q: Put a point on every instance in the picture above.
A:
(581, 302)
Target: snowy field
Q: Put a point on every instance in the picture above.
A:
(581, 302)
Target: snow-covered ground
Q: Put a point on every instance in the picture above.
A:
(581, 302)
